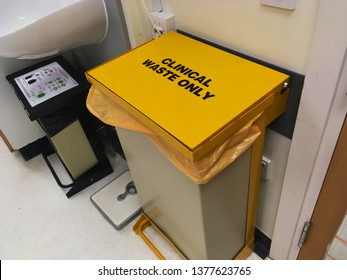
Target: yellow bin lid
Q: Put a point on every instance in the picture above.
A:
(193, 95)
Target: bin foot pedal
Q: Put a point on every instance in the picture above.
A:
(143, 222)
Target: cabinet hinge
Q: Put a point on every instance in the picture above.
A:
(304, 233)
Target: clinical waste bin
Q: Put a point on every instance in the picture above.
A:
(193, 98)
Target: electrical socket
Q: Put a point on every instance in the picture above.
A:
(163, 22)
(265, 168)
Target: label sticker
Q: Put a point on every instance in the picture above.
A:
(45, 83)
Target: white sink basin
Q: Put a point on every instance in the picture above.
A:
(38, 28)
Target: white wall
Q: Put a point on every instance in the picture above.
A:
(274, 35)
(137, 21)
(277, 149)
(277, 36)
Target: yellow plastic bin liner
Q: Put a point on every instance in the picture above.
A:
(200, 171)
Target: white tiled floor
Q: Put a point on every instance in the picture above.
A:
(37, 220)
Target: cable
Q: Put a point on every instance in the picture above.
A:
(157, 30)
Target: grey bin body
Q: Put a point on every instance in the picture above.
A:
(204, 221)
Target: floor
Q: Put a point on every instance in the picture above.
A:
(38, 221)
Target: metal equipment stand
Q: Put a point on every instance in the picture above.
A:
(94, 174)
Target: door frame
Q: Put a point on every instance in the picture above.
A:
(320, 118)
(333, 196)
